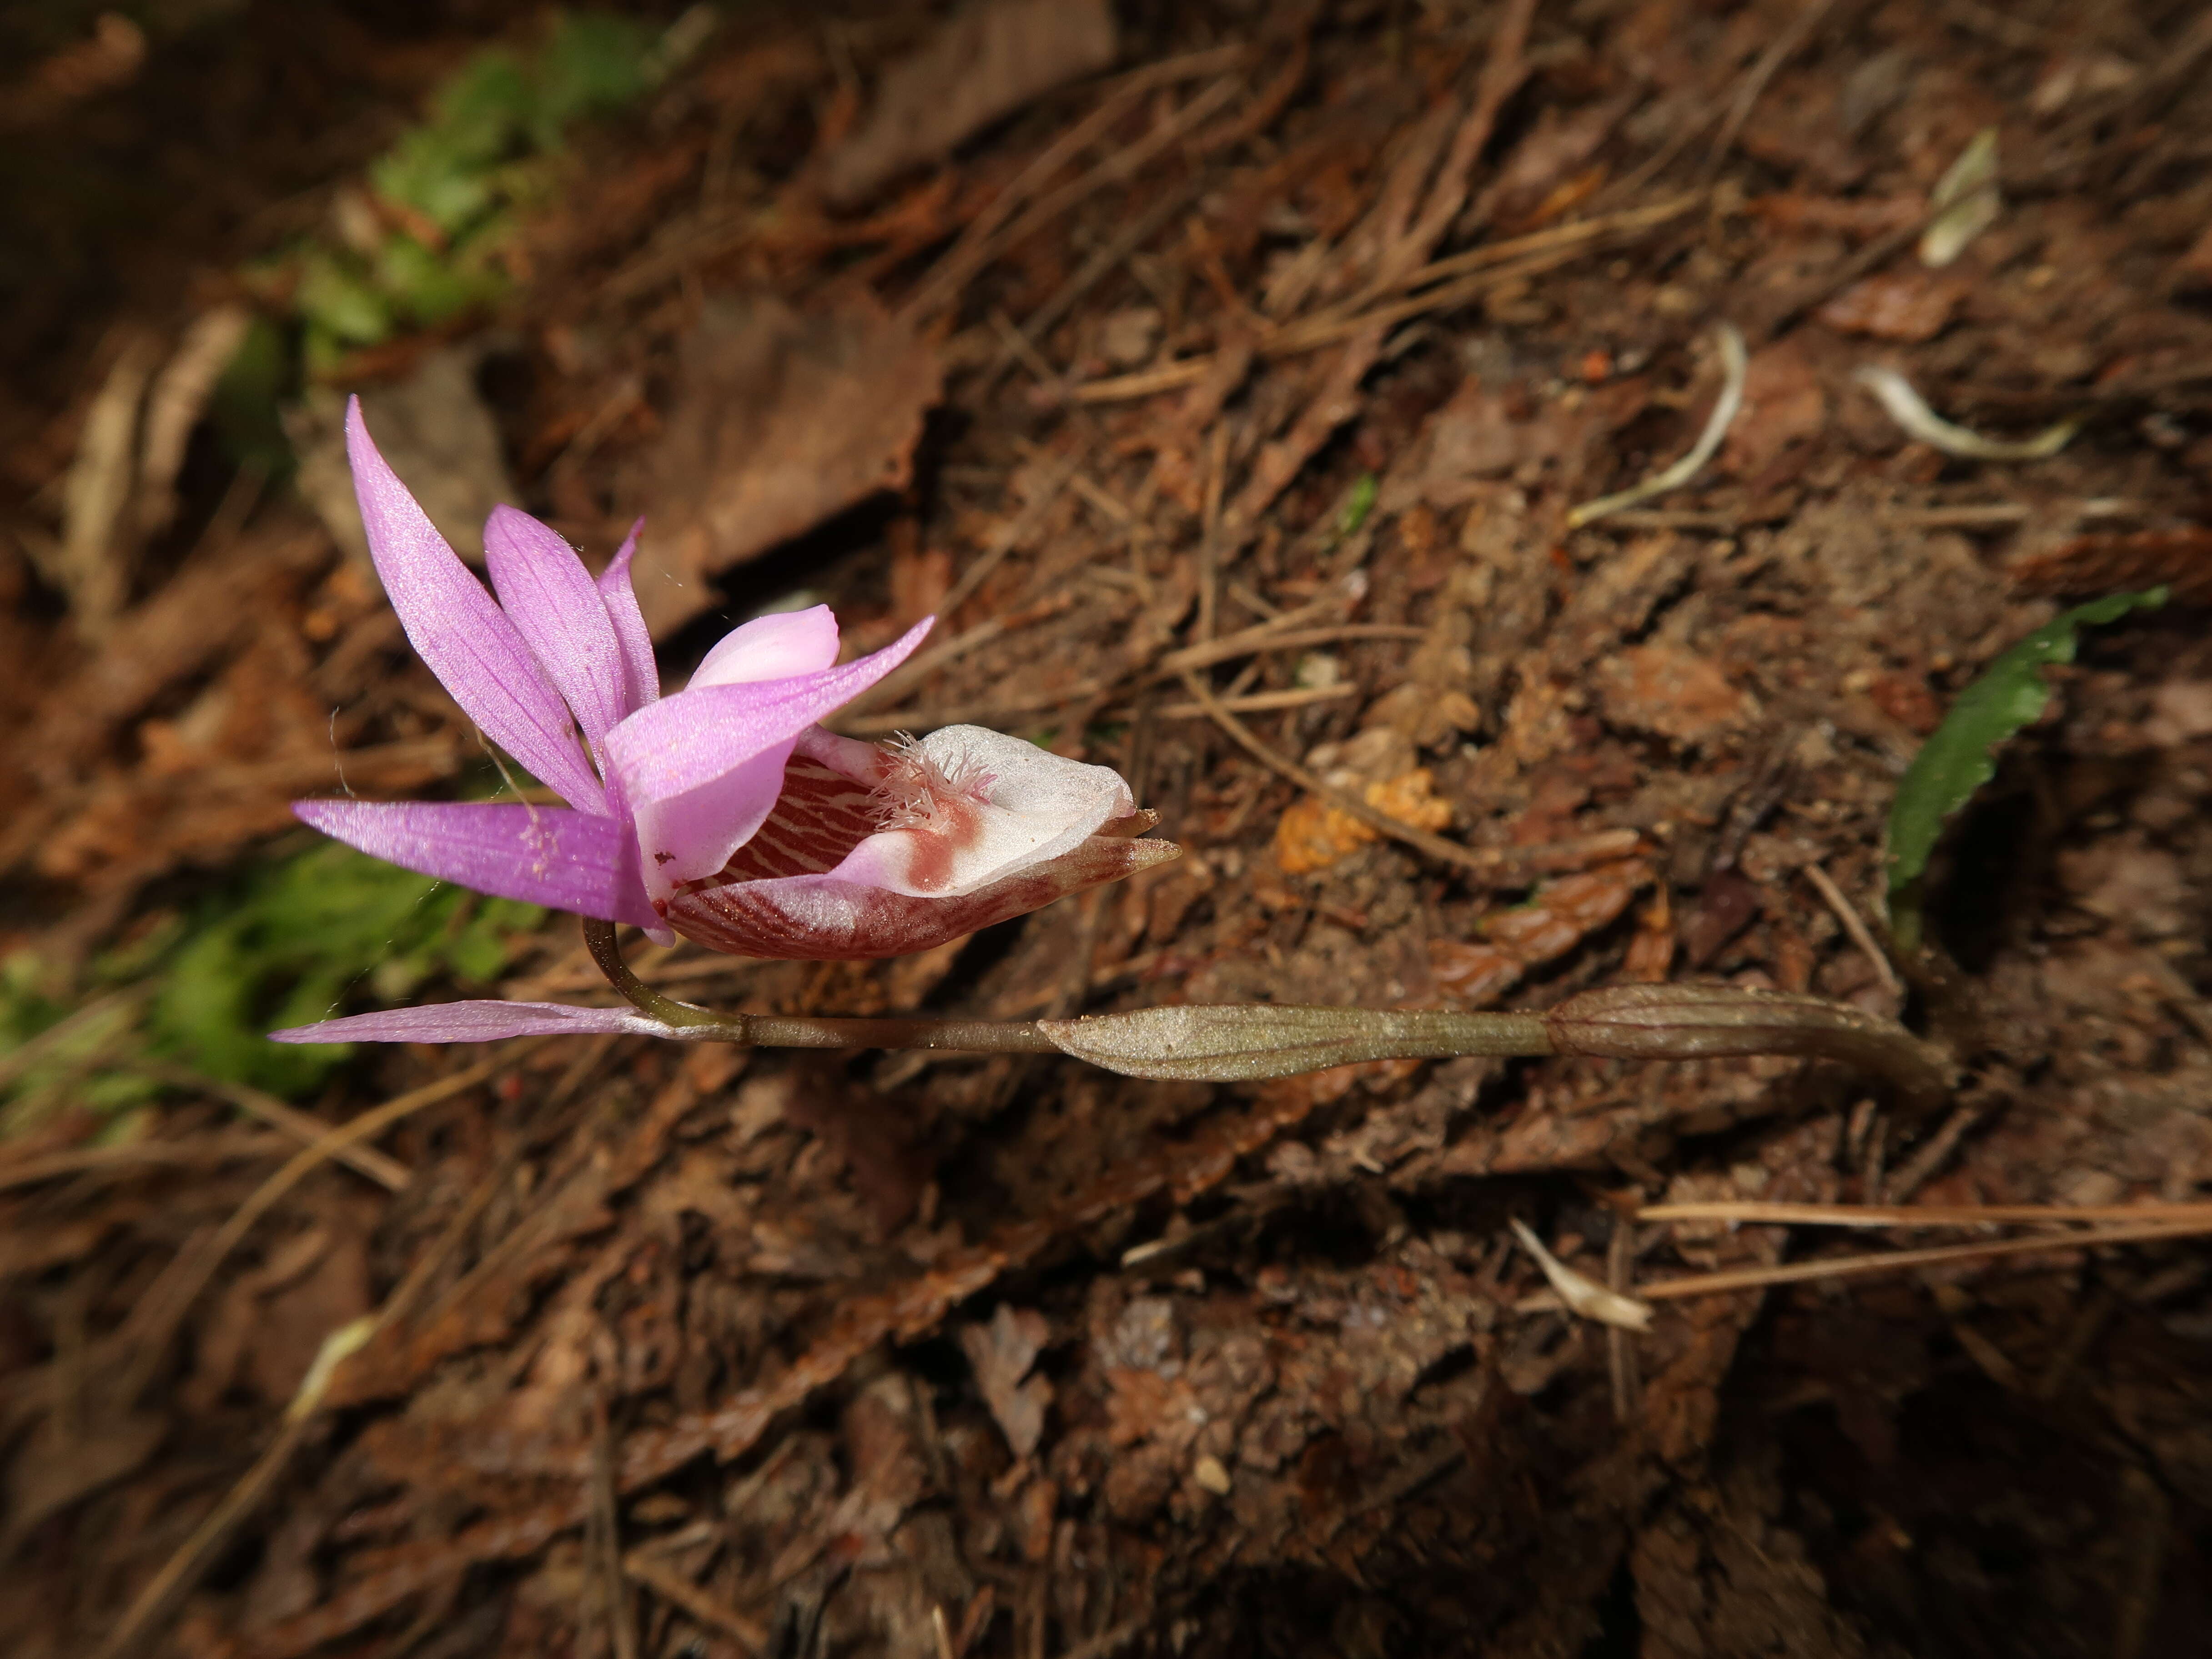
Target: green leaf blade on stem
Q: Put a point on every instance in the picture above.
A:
(1960, 755)
(1247, 1043)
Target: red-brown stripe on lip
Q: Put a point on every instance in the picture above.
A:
(819, 817)
(820, 919)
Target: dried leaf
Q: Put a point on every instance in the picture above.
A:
(1002, 1352)
(2108, 561)
(92, 564)
(1966, 202)
(178, 398)
(1911, 410)
(779, 421)
(1675, 693)
(1784, 403)
(1583, 1295)
(986, 63)
(56, 1467)
(1472, 975)
(1901, 305)
(435, 429)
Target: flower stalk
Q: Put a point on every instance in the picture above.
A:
(1254, 1041)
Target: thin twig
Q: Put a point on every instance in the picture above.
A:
(1251, 641)
(1735, 365)
(1932, 1157)
(673, 1588)
(943, 285)
(198, 1152)
(1271, 635)
(1621, 1368)
(182, 1570)
(1209, 541)
(1260, 702)
(1771, 61)
(364, 1127)
(604, 1532)
(1033, 328)
(1486, 863)
(1751, 1213)
(303, 1127)
(1853, 924)
(1325, 329)
(1859, 1266)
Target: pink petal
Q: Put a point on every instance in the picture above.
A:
(690, 836)
(629, 879)
(702, 769)
(978, 806)
(550, 599)
(640, 677)
(821, 814)
(476, 1021)
(460, 631)
(821, 919)
(776, 648)
(547, 855)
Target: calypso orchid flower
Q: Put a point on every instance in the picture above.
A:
(723, 812)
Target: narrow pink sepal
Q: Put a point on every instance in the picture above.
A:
(548, 855)
(557, 609)
(476, 1021)
(460, 631)
(702, 769)
(640, 676)
(695, 735)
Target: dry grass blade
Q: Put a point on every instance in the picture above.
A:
(1888, 1261)
(1496, 865)
(1503, 264)
(673, 1588)
(199, 1153)
(183, 1568)
(160, 1324)
(1582, 1294)
(303, 1127)
(1736, 364)
(1910, 409)
(1748, 1212)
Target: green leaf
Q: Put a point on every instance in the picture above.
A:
(429, 289)
(1960, 756)
(1246, 1042)
(1365, 490)
(426, 171)
(244, 405)
(289, 943)
(334, 297)
(593, 62)
(480, 114)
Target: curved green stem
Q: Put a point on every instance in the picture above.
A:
(599, 940)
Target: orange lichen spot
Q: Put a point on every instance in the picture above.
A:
(1314, 835)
